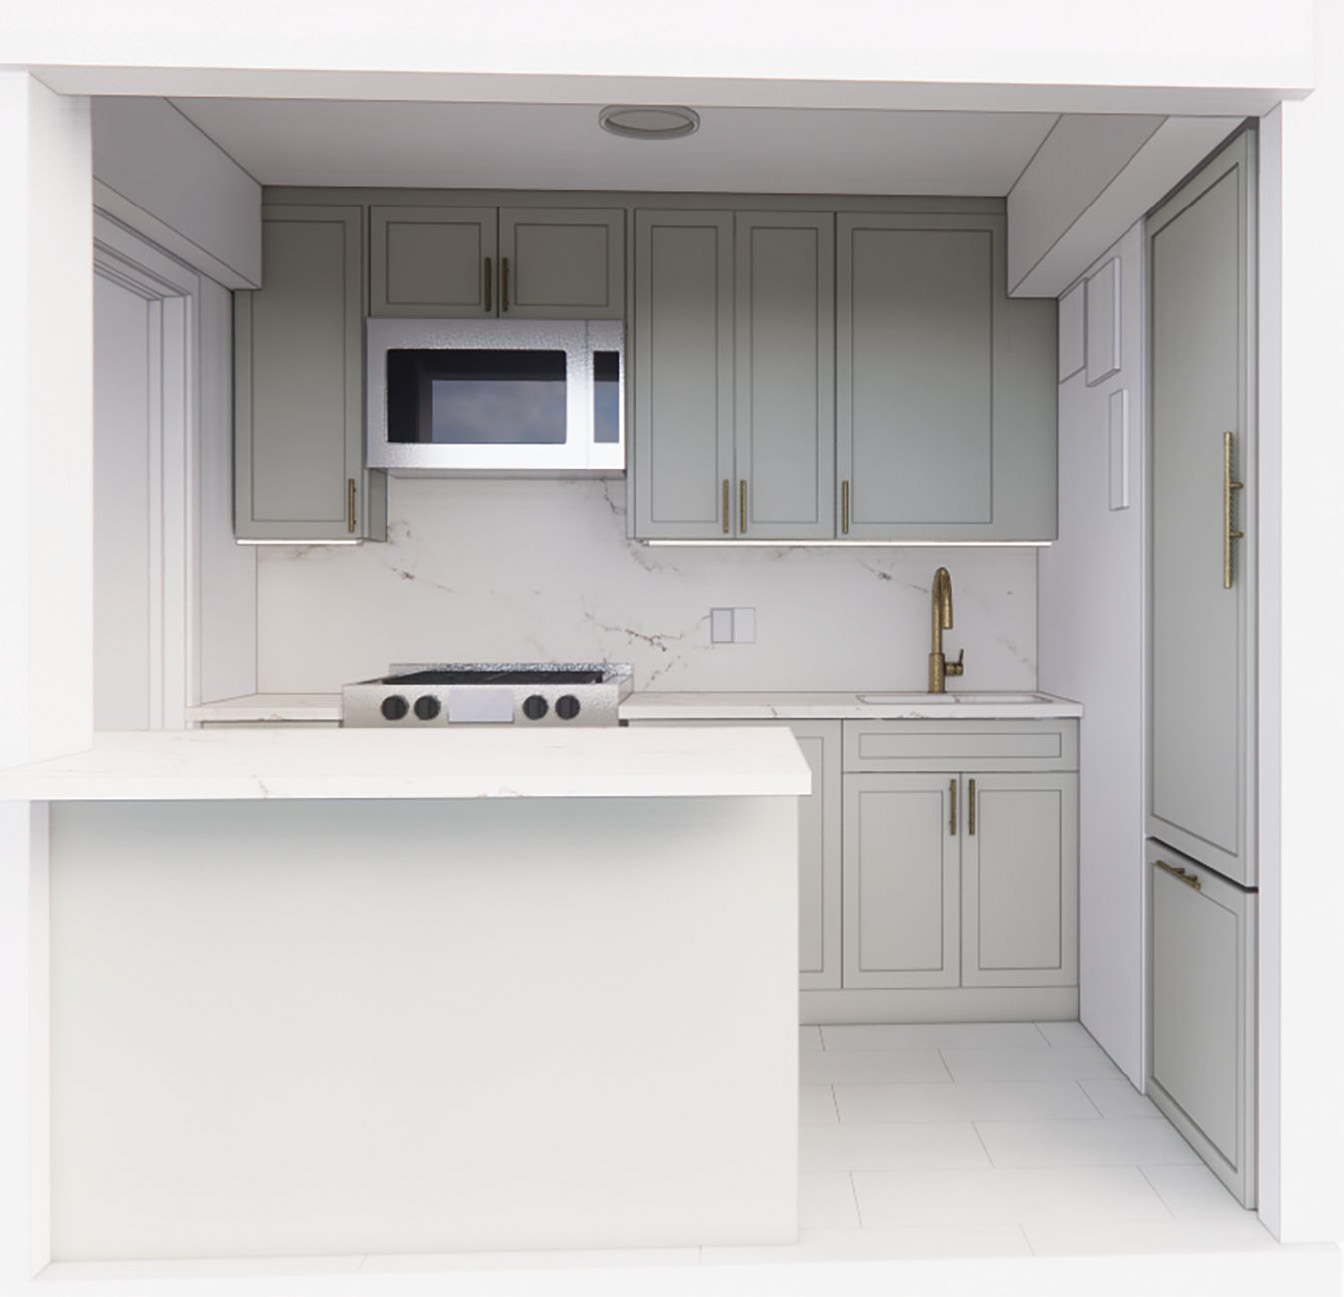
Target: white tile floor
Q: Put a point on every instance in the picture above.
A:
(956, 1140)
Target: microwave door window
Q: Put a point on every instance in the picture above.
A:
(477, 397)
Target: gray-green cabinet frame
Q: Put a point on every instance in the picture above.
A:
(299, 470)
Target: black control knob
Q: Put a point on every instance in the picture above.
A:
(395, 707)
(567, 707)
(427, 707)
(535, 707)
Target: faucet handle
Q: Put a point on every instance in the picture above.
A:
(958, 667)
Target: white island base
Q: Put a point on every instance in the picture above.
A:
(307, 1027)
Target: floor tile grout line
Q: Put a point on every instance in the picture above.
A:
(854, 1193)
(1044, 1037)
(976, 1127)
(1157, 1191)
(1078, 1082)
(1031, 1247)
(835, 1103)
(942, 1058)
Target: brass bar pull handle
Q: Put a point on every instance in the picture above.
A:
(970, 809)
(727, 508)
(952, 813)
(742, 506)
(489, 285)
(844, 507)
(350, 504)
(1180, 875)
(504, 284)
(1230, 532)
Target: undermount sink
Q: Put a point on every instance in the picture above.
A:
(933, 700)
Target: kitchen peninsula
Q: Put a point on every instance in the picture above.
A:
(315, 992)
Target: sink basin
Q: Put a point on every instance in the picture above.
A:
(934, 700)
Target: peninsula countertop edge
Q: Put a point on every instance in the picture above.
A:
(276, 763)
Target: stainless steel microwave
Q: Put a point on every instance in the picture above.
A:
(495, 395)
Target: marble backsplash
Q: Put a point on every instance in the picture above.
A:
(509, 569)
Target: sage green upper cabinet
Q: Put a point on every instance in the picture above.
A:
(734, 375)
(298, 385)
(683, 374)
(525, 262)
(785, 375)
(432, 261)
(561, 263)
(945, 403)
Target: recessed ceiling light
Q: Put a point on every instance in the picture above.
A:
(649, 121)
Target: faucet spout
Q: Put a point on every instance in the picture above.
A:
(939, 667)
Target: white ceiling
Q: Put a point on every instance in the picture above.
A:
(560, 146)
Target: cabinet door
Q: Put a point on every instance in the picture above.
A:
(1019, 863)
(785, 374)
(298, 385)
(683, 375)
(819, 820)
(561, 263)
(1201, 1013)
(901, 881)
(433, 261)
(1201, 693)
(945, 405)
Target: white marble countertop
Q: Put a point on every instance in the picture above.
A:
(711, 706)
(275, 762)
(870, 705)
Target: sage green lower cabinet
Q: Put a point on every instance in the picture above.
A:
(299, 470)
(901, 881)
(1019, 873)
(1201, 1013)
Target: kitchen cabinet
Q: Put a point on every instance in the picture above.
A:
(945, 396)
(448, 261)
(1201, 1013)
(299, 470)
(960, 854)
(900, 396)
(1202, 541)
(734, 375)
(901, 881)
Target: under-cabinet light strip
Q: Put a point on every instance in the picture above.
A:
(859, 544)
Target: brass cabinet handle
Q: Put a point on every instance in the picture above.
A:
(844, 507)
(504, 283)
(727, 508)
(970, 809)
(1230, 533)
(1180, 875)
(489, 286)
(350, 504)
(742, 507)
(952, 814)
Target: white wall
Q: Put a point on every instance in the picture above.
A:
(155, 171)
(968, 44)
(1092, 649)
(512, 569)
(46, 584)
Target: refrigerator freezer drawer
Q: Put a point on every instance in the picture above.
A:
(1201, 1012)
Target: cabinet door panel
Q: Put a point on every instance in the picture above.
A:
(683, 374)
(819, 820)
(785, 412)
(901, 876)
(430, 261)
(1201, 672)
(1020, 880)
(917, 379)
(563, 263)
(1201, 1014)
(298, 376)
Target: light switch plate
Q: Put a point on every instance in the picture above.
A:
(744, 625)
(720, 625)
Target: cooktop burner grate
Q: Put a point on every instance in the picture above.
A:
(505, 676)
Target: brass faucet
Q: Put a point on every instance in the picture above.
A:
(939, 667)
